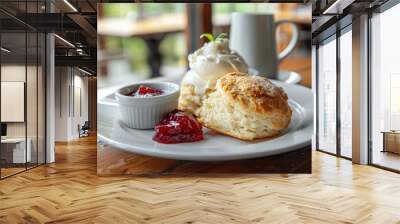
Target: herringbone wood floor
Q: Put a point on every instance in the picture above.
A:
(70, 192)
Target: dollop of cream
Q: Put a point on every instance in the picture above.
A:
(213, 60)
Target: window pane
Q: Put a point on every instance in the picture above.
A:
(345, 94)
(327, 97)
(385, 84)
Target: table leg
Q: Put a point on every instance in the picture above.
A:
(384, 143)
(155, 58)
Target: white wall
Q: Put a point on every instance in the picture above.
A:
(62, 81)
(11, 73)
(14, 73)
(82, 83)
(70, 83)
(33, 126)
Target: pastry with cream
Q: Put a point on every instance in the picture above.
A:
(208, 64)
(222, 95)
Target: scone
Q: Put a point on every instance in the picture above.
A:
(245, 107)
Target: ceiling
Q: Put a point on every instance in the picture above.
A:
(16, 43)
(74, 21)
(332, 15)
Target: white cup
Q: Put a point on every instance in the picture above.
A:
(252, 35)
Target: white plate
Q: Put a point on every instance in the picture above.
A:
(289, 77)
(216, 147)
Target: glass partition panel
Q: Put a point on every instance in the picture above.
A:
(33, 43)
(327, 97)
(385, 89)
(346, 94)
(31, 97)
(14, 153)
(23, 90)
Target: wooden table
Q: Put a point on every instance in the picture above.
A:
(167, 23)
(391, 141)
(114, 161)
(158, 25)
(153, 30)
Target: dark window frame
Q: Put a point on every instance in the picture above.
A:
(333, 36)
(29, 30)
(324, 36)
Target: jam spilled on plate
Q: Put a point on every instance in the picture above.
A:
(178, 127)
(144, 91)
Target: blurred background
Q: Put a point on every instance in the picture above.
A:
(138, 41)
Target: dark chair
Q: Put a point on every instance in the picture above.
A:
(84, 130)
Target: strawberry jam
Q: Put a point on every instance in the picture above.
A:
(178, 127)
(144, 91)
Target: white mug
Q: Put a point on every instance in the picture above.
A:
(252, 35)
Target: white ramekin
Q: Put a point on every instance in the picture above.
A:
(145, 113)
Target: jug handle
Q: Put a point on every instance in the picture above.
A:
(292, 44)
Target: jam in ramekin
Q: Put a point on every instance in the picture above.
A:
(144, 91)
